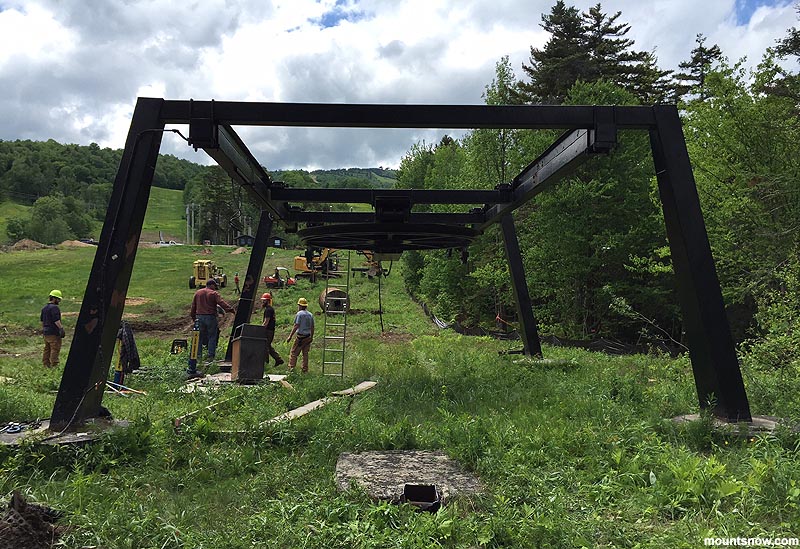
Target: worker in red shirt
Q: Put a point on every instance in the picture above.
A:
(204, 311)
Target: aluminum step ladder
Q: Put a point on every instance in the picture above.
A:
(335, 308)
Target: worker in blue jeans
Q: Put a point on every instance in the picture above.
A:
(304, 327)
(204, 310)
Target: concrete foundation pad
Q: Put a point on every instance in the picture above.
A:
(759, 424)
(87, 432)
(215, 380)
(383, 474)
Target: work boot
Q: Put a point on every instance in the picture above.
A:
(194, 374)
(279, 362)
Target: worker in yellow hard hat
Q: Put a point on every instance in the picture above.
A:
(52, 330)
(269, 324)
(304, 326)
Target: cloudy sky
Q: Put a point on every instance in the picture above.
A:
(71, 70)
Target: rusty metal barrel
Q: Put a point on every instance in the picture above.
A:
(333, 300)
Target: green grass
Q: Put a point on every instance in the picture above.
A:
(166, 212)
(8, 210)
(576, 453)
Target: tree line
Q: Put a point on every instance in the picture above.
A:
(594, 247)
(68, 187)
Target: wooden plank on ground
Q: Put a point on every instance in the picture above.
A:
(297, 412)
(311, 406)
(360, 388)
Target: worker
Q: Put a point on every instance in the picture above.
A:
(204, 310)
(52, 330)
(269, 324)
(236, 282)
(304, 327)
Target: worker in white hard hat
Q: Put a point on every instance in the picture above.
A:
(304, 327)
(52, 330)
(269, 324)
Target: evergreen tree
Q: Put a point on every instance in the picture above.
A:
(610, 50)
(588, 47)
(564, 60)
(693, 79)
(779, 82)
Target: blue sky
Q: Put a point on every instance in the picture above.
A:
(746, 8)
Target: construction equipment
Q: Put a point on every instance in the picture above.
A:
(323, 261)
(194, 352)
(372, 265)
(335, 303)
(279, 279)
(204, 269)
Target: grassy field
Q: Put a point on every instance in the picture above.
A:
(574, 453)
(8, 210)
(165, 213)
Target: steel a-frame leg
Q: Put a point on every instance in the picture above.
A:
(522, 299)
(250, 287)
(86, 370)
(711, 348)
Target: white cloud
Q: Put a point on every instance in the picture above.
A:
(73, 74)
(34, 35)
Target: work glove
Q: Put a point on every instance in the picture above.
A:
(62, 333)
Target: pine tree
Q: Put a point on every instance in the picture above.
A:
(564, 60)
(696, 69)
(781, 82)
(588, 47)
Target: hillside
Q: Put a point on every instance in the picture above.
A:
(354, 178)
(165, 213)
(572, 452)
(80, 178)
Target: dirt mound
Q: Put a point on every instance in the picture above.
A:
(27, 244)
(74, 244)
(205, 251)
(241, 250)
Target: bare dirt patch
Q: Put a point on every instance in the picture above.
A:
(137, 300)
(162, 327)
(241, 250)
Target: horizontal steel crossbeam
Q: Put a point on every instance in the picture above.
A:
(368, 196)
(408, 116)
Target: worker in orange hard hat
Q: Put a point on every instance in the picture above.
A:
(269, 324)
(304, 326)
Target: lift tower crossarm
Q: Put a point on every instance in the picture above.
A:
(567, 153)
